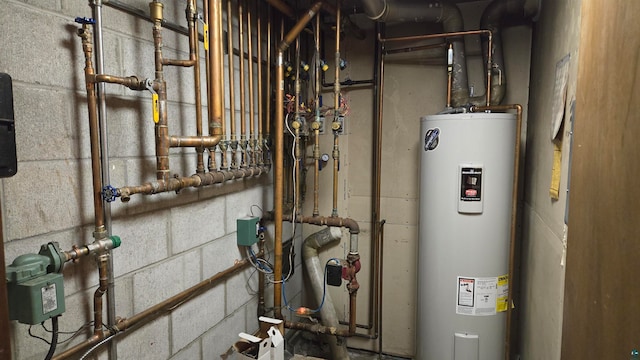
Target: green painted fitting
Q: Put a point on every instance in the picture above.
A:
(116, 241)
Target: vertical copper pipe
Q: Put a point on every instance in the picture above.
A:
(489, 61)
(194, 56)
(162, 129)
(279, 153)
(449, 75)
(97, 296)
(278, 193)
(207, 59)
(377, 177)
(260, 86)
(352, 310)
(251, 151)
(268, 88)
(336, 114)
(94, 137)
(243, 115)
(261, 284)
(232, 90)
(215, 68)
(316, 124)
(5, 326)
(514, 210)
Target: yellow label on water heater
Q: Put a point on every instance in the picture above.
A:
(503, 293)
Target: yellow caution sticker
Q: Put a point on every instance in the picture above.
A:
(156, 112)
(502, 298)
(206, 36)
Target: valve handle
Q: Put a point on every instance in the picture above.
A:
(85, 20)
(109, 193)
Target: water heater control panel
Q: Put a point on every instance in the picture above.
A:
(470, 183)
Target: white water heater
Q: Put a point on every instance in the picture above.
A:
(466, 182)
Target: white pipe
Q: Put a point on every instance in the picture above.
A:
(316, 270)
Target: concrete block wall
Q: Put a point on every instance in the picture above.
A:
(169, 241)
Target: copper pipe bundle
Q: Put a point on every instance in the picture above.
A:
(232, 90)
(252, 136)
(488, 33)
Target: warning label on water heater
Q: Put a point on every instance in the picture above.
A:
(480, 296)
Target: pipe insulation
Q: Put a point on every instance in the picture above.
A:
(315, 269)
(451, 19)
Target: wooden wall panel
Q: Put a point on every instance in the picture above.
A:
(602, 286)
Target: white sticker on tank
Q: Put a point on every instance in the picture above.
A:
(49, 299)
(476, 296)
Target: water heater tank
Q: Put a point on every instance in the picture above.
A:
(466, 182)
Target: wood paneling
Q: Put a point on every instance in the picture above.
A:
(602, 286)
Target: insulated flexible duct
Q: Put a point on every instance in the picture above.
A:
(450, 17)
(316, 270)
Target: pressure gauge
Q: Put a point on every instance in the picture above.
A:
(324, 157)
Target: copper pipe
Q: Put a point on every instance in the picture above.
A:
(179, 62)
(100, 291)
(133, 323)
(215, 68)
(376, 239)
(451, 34)
(282, 7)
(92, 107)
(336, 167)
(207, 59)
(221, 86)
(191, 12)
(449, 74)
(232, 90)
(352, 312)
(414, 48)
(279, 152)
(5, 325)
(251, 144)
(316, 123)
(132, 82)
(243, 115)
(316, 328)
(261, 284)
(433, 36)
(258, 144)
(336, 106)
(332, 221)
(489, 64)
(514, 210)
(268, 87)
(198, 142)
(196, 180)
(162, 129)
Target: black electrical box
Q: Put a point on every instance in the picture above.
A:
(8, 159)
(334, 275)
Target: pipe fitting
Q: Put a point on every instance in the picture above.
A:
(155, 11)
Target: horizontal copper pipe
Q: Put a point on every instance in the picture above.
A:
(194, 141)
(332, 221)
(316, 328)
(132, 82)
(197, 180)
(177, 62)
(414, 48)
(434, 36)
(155, 311)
